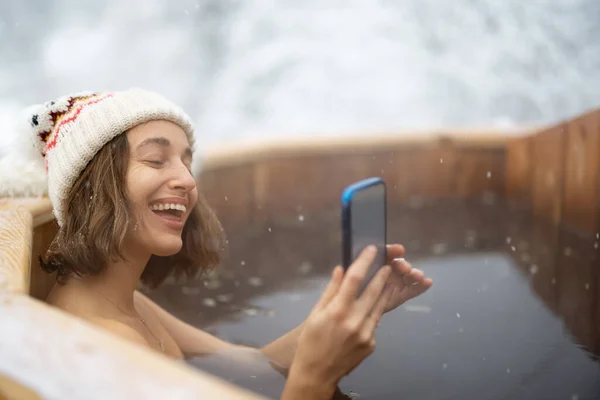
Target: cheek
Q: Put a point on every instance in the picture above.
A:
(194, 197)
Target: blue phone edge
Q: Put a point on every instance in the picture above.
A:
(347, 195)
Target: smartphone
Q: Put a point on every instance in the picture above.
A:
(364, 222)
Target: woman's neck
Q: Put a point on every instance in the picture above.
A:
(118, 282)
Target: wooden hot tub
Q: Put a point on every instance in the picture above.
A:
(549, 175)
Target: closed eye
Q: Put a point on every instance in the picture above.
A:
(155, 162)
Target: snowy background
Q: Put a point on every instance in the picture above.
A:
(257, 68)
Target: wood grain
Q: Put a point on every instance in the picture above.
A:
(548, 173)
(519, 169)
(582, 175)
(15, 249)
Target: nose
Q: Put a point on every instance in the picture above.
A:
(182, 180)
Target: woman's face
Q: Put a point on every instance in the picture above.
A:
(160, 186)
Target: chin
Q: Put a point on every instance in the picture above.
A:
(167, 247)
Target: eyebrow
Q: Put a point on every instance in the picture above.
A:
(163, 142)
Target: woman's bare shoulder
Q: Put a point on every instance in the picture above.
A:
(119, 328)
(82, 305)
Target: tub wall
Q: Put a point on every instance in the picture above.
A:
(295, 179)
(556, 170)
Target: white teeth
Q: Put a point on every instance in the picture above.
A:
(161, 207)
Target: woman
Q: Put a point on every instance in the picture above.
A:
(119, 177)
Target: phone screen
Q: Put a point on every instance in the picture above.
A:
(367, 224)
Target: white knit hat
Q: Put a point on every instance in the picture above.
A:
(65, 134)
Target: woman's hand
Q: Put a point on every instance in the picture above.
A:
(340, 331)
(407, 282)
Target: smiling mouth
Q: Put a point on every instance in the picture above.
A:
(171, 212)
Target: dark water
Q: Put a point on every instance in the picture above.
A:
(514, 312)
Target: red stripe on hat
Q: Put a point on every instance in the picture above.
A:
(50, 145)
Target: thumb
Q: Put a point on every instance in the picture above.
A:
(332, 288)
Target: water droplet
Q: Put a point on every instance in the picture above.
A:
(508, 239)
(508, 370)
(250, 311)
(441, 161)
(243, 262)
(208, 302)
(255, 281)
(225, 298)
(567, 251)
(595, 245)
(445, 365)
(186, 12)
(533, 269)
(212, 284)
(190, 290)
(305, 268)
(489, 174)
(225, 198)
(457, 315)
(301, 218)
(269, 229)
(587, 286)
(553, 281)
(513, 248)
(575, 397)
(271, 313)
(461, 330)
(439, 248)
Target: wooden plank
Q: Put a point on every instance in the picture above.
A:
(548, 160)
(16, 226)
(581, 189)
(519, 169)
(292, 188)
(229, 192)
(479, 171)
(430, 172)
(13, 390)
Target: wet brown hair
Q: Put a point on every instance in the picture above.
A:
(99, 215)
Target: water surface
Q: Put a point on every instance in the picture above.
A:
(514, 312)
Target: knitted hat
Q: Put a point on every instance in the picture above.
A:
(65, 134)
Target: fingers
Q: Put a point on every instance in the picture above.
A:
(410, 275)
(332, 287)
(372, 292)
(356, 274)
(414, 290)
(401, 266)
(378, 309)
(414, 276)
(394, 251)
